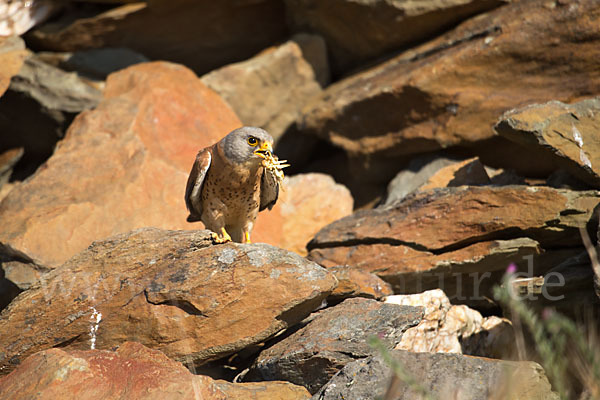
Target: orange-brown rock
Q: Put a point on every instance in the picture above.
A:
(451, 90)
(460, 239)
(200, 35)
(12, 55)
(130, 372)
(121, 166)
(355, 282)
(361, 30)
(169, 290)
(270, 89)
(424, 173)
(467, 172)
(310, 202)
(566, 132)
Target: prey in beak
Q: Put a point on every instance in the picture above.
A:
(265, 150)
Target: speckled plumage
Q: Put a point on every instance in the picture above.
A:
(228, 185)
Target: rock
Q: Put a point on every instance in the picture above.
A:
(18, 16)
(121, 166)
(12, 55)
(133, 372)
(94, 64)
(446, 328)
(451, 90)
(467, 172)
(402, 243)
(359, 31)
(353, 282)
(423, 174)
(208, 35)
(566, 132)
(8, 159)
(169, 290)
(270, 89)
(443, 376)
(334, 337)
(309, 202)
(37, 109)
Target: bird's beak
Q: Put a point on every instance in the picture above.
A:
(265, 150)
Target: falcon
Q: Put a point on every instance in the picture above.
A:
(231, 181)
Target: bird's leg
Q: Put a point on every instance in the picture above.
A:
(222, 238)
(247, 236)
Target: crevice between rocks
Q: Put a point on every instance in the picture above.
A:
(183, 305)
(504, 234)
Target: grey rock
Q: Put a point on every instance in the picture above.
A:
(331, 339)
(38, 107)
(415, 175)
(442, 376)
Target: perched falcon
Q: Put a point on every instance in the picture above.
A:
(229, 184)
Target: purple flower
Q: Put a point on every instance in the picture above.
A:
(512, 268)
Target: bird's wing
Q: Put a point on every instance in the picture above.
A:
(269, 190)
(193, 189)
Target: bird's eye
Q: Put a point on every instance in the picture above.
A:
(252, 141)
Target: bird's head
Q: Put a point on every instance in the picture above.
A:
(247, 144)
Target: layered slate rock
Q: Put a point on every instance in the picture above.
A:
(270, 89)
(440, 376)
(451, 90)
(121, 166)
(37, 109)
(133, 372)
(353, 282)
(567, 132)
(359, 31)
(331, 339)
(208, 35)
(460, 238)
(169, 290)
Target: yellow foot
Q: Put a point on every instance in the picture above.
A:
(222, 238)
(247, 237)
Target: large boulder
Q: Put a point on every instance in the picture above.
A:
(437, 375)
(360, 31)
(130, 372)
(270, 89)
(566, 132)
(451, 90)
(121, 166)
(169, 290)
(461, 238)
(331, 339)
(202, 35)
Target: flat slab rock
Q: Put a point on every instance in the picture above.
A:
(133, 371)
(169, 290)
(452, 89)
(331, 339)
(567, 132)
(446, 234)
(443, 376)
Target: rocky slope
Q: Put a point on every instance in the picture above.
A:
(442, 153)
